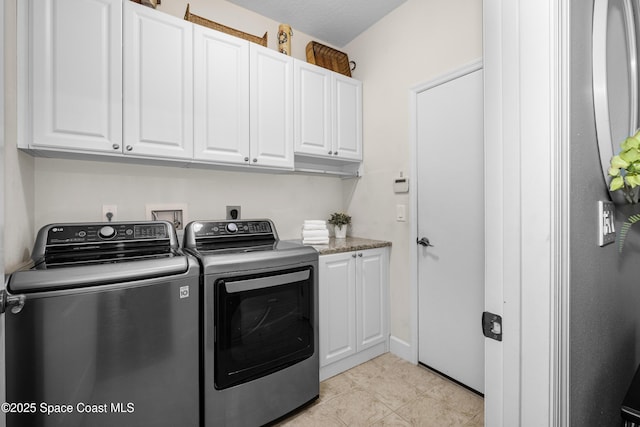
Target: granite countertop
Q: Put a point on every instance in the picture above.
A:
(349, 244)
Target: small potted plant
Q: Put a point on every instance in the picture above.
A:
(625, 173)
(340, 221)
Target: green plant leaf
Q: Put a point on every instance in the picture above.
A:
(614, 171)
(633, 180)
(618, 162)
(630, 143)
(624, 230)
(630, 156)
(616, 183)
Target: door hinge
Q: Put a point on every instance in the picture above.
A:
(492, 326)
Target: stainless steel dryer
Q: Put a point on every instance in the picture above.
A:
(103, 330)
(260, 321)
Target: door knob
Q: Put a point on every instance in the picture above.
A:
(424, 242)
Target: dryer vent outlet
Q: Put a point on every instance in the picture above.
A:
(233, 212)
(175, 213)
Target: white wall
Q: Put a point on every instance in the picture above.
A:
(417, 42)
(19, 167)
(72, 190)
(239, 18)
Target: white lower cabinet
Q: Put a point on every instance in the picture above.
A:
(354, 308)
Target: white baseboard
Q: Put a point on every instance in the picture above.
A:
(354, 360)
(403, 349)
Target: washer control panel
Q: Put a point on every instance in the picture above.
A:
(105, 232)
(232, 228)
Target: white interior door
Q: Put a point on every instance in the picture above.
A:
(450, 189)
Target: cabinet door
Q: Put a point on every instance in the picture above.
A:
(158, 83)
(312, 111)
(371, 297)
(76, 65)
(347, 117)
(271, 117)
(221, 113)
(337, 307)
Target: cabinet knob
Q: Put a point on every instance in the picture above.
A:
(255, 160)
(330, 152)
(246, 159)
(335, 153)
(353, 255)
(129, 148)
(360, 254)
(116, 146)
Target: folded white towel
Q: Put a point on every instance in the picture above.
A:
(315, 233)
(315, 222)
(315, 241)
(314, 227)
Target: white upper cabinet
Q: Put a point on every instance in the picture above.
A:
(75, 66)
(312, 112)
(113, 77)
(221, 98)
(347, 117)
(271, 111)
(328, 113)
(158, 84)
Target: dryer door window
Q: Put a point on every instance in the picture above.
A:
(263, 323)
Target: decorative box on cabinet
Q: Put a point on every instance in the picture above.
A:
(354, 313)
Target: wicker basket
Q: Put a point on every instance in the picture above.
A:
(327, 57)
(188, 16)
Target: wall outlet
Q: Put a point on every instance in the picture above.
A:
(233, 212)
(606, 223)
(109, 213)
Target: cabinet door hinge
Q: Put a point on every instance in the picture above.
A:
(492, 326)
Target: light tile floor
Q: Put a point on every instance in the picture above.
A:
(389, 391)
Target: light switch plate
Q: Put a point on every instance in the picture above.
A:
(606, 223)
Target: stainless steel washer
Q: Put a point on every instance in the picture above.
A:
(103, 330)
(260, 321)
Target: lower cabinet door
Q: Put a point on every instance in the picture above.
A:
(371, 297)
(337, 304)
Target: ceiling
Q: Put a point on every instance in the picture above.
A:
(336, 22)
